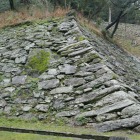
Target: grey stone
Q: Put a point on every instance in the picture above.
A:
(60, 76)
(74, 82)
(87, 89)
(45, 76)
(48, 99)
(52, 72)
(97, 95)
(42, 116)
(112, 98)
(98, 81)
(137, 129)
(86, 114)
(42, 107)
(9, 89)
(21, 60)
(7, 109)
(58, 104)
(17, 80)
(6, 82)
(62, 90)
(66, 47)
(48, 84)
(2, 103)
(116, 106)
(131, 111)
(28, 47)
(65, 26)
(118, 124)
(26, 108)
(68, 69)
(67, 113)
(83, 74)
(5, 95)
(69, 99)
(38, 94)
(106, 117)
(79, 52)
(27, 116)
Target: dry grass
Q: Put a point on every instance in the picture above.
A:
(126, 44)
(89, 24)
(59, 12)
(13, 17)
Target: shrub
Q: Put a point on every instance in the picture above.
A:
(39, 62)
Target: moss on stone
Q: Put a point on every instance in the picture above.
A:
(87, 58)
(39, 62)
(81, 38)
(1, 77)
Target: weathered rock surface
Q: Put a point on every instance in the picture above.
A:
(113, 125)
(87, 78)
(19, 79)
(48, 84)
(62, 90)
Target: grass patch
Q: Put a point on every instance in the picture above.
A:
(36, 125)
(18, 136)
(39, 62)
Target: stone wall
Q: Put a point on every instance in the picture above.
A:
(89, 80)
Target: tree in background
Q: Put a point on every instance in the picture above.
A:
(11, 4)
(122, 7)
(25, 1)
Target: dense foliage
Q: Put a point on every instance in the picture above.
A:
(93, 9)
(98, 10)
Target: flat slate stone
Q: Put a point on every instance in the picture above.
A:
(42, 107)
(118, 124)
(83, 74)
(62, 90)
(131, 111)
(96, 95)
(68, 69)
(98, 81)
(26, 108)
(74, 82)
(137, 129)
(48, 84)
(112, 98)
(52, 72)
(115, 106)
(19, 80)
(86, 114)
(21, 60)
(45, 76)
(106, 109)
(2, 103)
(67, 113)
(79, 52)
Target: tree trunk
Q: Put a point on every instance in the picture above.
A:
(115, 28)
(109, 17)
(65, 4)
(118, 18)
(11, 4)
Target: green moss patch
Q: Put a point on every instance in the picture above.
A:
(39, 62)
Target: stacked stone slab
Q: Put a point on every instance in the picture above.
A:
(79, 83)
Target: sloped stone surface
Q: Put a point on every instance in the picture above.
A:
(113, 125)
(87, 77)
